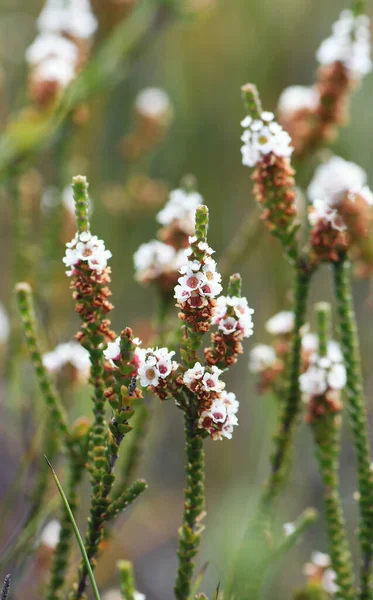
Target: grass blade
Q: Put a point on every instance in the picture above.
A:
(77, 534)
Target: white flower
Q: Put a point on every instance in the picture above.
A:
(324, 372)
(211, 380)
(289, 529)
(152, 102)
(313, 382)
(335, 178)
(4, 325)
(329, 581)
(154, 364)
(47, 45)
(348, 44)
(69, 353)
(280, 324)
(73, 17)
(297, 97)
(50, 534)
(320, 210)
(55, 69)
(199, 280)
(320, 559)
(337, 377)
(195, 372)
(86, 248)
(220, 419)
(233, 313)
(112, 351)
(155, 258)
(261, 357)
(310, 342)
(262, 137)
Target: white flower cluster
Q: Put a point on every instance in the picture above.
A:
(220, 418)
(70, 353)
(199, 281)
(50, 535)
(322, 211)
(180, 210)
(86, 247)
(4, 325)
(348, 44)
(324, 372)
(233, 314)
(73, 17)
(297, 97)
(155, 258)
(261, 358)
(155, 365)
(152, 102)
(52, 55)
(319, 568)
(281, 323)
(336, 177)
(262, 137)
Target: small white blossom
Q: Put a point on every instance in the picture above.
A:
(329, 581)
(195, 372)
(297, 97)
(233, 313)
(220, 419)
(281, 324)
(180, 210)
(289, 529)
(48, 45)
(321, 210)
(261, 357)
(55, 69)
(4, 325)
(327, 372)
(155, 258)
(86, 248)
(50, 534)
(154, 364)
(199, 280)
(335, 178)
(74, 17)
(69, 353)
(262, 137)
(112, 351)
(152, 102)
(348, 44)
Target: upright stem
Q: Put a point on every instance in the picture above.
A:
(191, 528)
(290, 408)
(358, 419)
(327, 441)
(358, 7)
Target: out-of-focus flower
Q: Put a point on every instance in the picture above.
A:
(261, 358)
(337, 177)
(160, 262)
(349, 44)
(153, 114)
(319, 571)
(4, 325)
(69, 354)
(281, 324)
(50, 534)
(296, 98)
(179, 211)
(155, 366)
(289, 529)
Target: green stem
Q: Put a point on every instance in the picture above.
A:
(358, 419)
(191, 528)
(327, 442)
(358, 7)
(290, 408)
(61, 554)
(47, 389)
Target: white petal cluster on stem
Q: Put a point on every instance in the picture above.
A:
(233, 314)
(155, 364)
(348, 44)
(324, 372)
(86, 248)
(69, 353)
(155, 258)
(262, 137)
(180, 210)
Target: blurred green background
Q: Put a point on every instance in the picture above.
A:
(201, 62)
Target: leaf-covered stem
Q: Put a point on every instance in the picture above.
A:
(49, 393)
(80, 191)
(290, 408)
(126, 579)
(358, 419)
(327, 448)
(191, 528)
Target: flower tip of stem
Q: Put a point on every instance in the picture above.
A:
(22, 288)
(80, 180)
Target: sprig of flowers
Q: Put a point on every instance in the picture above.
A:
(267, 147)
